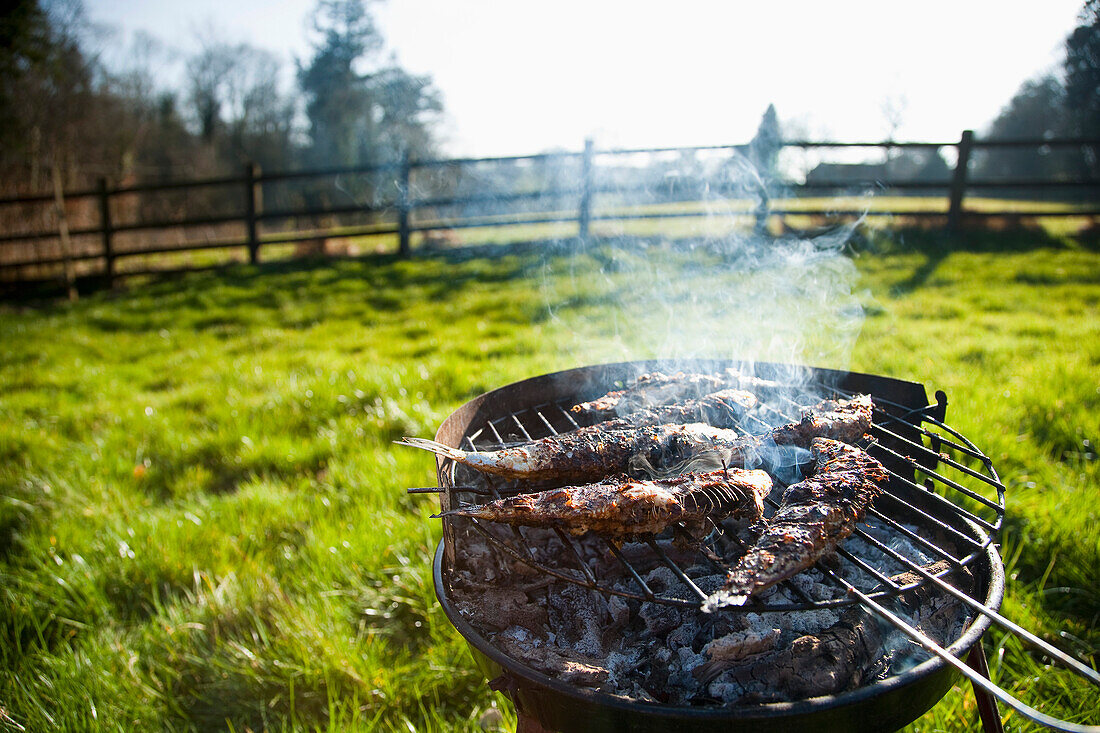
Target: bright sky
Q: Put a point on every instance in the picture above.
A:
(522, 77)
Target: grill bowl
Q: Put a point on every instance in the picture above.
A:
(880, 706)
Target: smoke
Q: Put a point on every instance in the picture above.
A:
(716, 287)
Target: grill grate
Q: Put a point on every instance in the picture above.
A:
(954, 514)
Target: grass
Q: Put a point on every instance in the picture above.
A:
(203, 522)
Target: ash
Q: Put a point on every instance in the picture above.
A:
(675, 654)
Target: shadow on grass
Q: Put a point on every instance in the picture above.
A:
(291, 293)
(386, 281)
(1060, 568)
(937, 245)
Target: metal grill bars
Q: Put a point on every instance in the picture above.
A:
(968, 530)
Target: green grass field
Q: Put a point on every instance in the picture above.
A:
(203, 522)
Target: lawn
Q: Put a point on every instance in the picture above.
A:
(203, 522)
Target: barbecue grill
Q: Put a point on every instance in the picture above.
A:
(943, 496)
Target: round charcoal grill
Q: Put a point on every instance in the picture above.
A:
(943, 497)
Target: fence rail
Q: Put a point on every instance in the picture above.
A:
(407, 199)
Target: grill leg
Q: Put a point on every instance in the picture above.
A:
(526, 724)
(507, 684)
(987, 704)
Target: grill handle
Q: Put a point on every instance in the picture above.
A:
(976, 677)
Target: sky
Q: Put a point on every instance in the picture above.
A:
(523, 77)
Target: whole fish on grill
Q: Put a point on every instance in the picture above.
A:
(621, 507)
(654, 389)
(649, 390)
(814, 516)
(843, 420)
(590, 455)
(722, 409)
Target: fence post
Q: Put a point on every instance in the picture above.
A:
(958, 181)
(105, 231)
(403, 199)
(584, 214)
(253, 207)
(63, 232)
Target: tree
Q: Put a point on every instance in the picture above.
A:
(337, 99)
(206, 78)
(1038, 110)
(122, 122)
(24, 34)
(259, 116)
(45, 88)
(1050, 107)
(360, 111)
(240, 112)
(1082, 73)
(59, 107)
(168, 149)
(765, 145)
(403, 110)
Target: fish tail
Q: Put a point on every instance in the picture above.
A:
(453, 513)
(435, 447)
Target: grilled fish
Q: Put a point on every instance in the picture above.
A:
(657, 388)
(592, 454)
(649, 390)
(722, 409)
(621, 508)
(843, 420)
(814, 516)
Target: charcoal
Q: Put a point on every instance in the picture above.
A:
(499, 608)
(656, 652)
(560, 662)
(659, 619)
(579, 617)
(683, 636)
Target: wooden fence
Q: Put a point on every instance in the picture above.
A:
(408, 205)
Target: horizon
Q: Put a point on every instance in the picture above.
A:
(638, 78)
